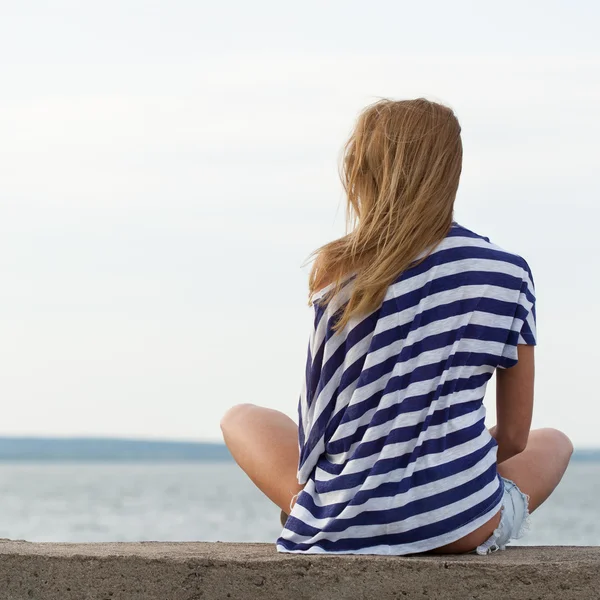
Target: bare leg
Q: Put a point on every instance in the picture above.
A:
(536, 471)
(264, 443)
(540, 467)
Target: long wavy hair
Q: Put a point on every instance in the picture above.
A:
(400, 170)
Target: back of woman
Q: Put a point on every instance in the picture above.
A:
(394, 450)
(413, 314)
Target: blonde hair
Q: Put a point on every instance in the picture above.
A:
(400, 171)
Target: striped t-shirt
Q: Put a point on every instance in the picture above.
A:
(394, 452)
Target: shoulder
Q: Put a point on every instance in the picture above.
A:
(464, 242)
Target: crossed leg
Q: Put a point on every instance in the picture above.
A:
(536, 471)
(264, 443)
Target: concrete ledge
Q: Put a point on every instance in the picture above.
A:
(194, 571)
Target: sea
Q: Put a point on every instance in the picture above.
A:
(212, 501)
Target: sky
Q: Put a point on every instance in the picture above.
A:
(167, 167)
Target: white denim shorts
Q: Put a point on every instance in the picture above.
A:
(514, 522)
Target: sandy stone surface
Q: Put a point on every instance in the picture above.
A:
(193, 571)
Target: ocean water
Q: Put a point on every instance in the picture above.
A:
(97, 502)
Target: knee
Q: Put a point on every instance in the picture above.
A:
(236, 414)
(560, 441)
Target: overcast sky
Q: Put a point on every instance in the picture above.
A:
(166, 167)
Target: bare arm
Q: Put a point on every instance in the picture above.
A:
(514, 404)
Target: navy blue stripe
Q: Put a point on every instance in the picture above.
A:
(313, 374)
(300, 426)
(460, 231)
(320, 309)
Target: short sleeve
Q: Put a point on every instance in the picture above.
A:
(523, 329)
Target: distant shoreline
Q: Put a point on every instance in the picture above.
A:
(108, 449)
(29, 449)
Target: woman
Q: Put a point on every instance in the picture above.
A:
(413, 315)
